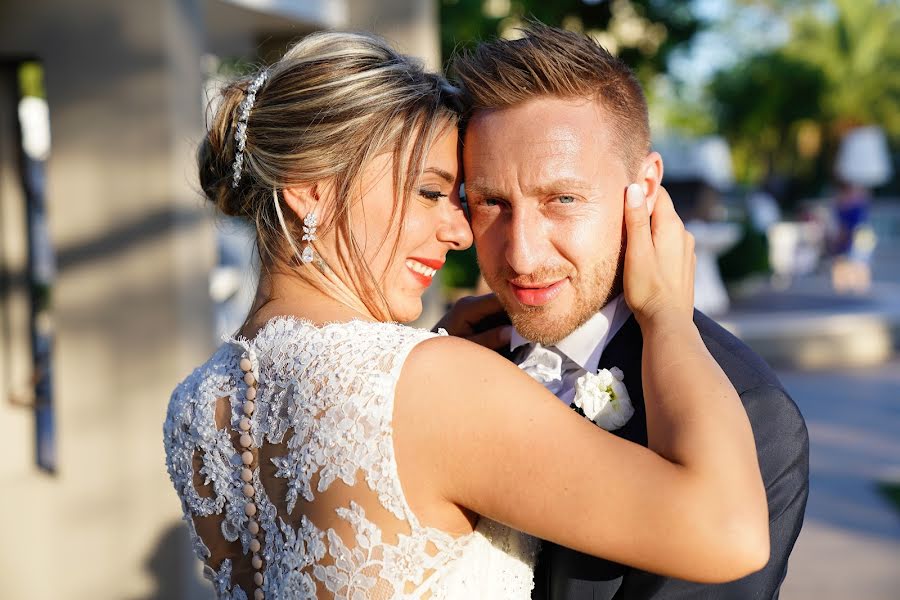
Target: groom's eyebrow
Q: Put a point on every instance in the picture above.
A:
(486, 191)
(565, 184)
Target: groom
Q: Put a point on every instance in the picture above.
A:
(557, 129)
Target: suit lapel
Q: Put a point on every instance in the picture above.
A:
(624, 351)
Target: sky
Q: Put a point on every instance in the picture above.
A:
(733, 32)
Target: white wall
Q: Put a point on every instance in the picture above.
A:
(134, 245)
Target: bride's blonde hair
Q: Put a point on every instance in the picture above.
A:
(330, 105)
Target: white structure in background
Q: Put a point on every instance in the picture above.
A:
(232, 283)
(707, 159)
(712, 240)
(863, 158)
(327, 13)
(763, 210)
(795, 248)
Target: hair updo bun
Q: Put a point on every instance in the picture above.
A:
(215, 156)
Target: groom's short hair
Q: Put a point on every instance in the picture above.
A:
(547, 61)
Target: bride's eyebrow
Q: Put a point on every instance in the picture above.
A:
(445, 175)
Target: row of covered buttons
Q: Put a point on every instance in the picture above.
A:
(247, 459)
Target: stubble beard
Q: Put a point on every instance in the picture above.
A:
(593, 290)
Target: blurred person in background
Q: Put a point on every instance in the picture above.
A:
(325, 450)
(862, 162)
(853, 241)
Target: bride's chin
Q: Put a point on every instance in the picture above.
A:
(408, 311)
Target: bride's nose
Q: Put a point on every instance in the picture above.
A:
(454, 228)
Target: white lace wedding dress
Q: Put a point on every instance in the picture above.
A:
(281, 451)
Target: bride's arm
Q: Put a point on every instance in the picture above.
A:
(472, 430)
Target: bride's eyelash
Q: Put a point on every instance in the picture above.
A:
(432, 194)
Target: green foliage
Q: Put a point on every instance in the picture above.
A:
(660, 26)
(750, 256)
(669, 106)
(859, 54)
(768, 92)
(761, 104)
(31, 79)
(891, 492)
(785, 110)
(460, 270)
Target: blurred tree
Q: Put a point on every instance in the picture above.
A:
(641, 32)
(859, 53)
(762, 105)
(678, 109)
(785, 110)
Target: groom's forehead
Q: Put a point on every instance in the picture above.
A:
(542, 128)
(554, 153)
(558, 151)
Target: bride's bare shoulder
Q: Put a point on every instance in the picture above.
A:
(451, 367)
(447, 352)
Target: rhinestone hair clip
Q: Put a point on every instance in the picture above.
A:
(240, 132)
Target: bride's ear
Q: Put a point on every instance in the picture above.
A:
(302, 199)
(650, 177)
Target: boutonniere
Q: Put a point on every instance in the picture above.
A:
(603, 398)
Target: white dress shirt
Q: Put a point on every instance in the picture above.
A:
(587, 343)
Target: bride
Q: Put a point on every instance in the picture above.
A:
(327, 451)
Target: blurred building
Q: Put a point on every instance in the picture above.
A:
(105, 253)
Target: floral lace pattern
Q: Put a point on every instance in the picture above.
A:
(324, 412)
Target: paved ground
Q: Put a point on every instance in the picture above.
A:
(850, 544)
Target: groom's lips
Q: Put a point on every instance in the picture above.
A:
(537, 294)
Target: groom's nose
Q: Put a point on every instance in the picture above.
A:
(527, 241)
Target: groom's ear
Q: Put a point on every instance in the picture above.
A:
(650, 177)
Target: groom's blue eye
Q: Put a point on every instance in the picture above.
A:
(566, 199)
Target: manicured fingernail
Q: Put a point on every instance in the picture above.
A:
(635, 195)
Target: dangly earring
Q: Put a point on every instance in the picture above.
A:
(310, 221)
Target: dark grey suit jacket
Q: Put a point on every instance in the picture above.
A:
(782, 444)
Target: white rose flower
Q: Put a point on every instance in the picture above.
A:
(617, 373)
(603, 378)
(592, 402)
(619, 391)
(604, 398)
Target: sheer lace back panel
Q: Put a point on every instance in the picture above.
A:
(328, 515)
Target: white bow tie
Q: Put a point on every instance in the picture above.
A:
(548, 366)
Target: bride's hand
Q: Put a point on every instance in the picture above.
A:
(659, 259)
(479, 319)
